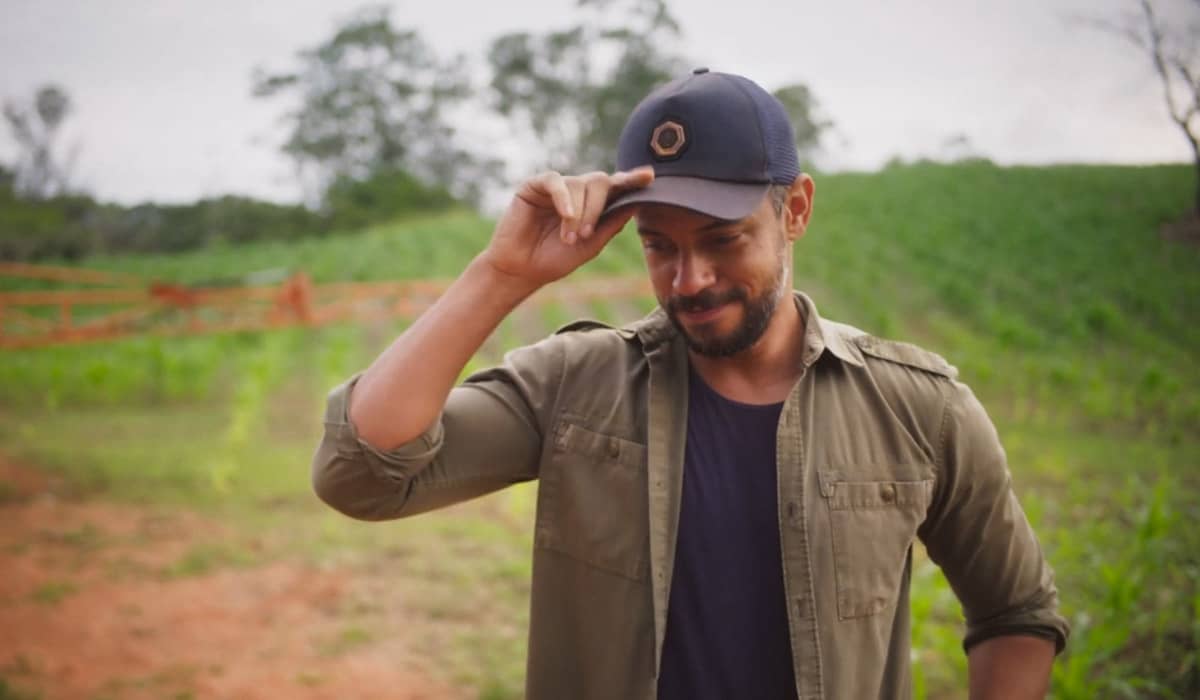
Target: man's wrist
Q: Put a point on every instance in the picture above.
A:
(506, 287)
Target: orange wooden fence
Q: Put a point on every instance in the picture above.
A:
(120, 305)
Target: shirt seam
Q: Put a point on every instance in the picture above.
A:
(939, 459)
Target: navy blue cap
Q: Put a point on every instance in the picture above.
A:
(717, 142)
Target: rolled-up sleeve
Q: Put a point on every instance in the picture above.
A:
(488, 436)
(978, 534)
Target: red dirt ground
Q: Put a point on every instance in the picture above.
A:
(87, 611)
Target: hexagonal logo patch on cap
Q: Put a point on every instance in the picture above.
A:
(668, 139)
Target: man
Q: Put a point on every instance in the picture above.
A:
(729, 488)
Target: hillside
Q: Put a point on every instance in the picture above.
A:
(1040, 281)
(1050, 288)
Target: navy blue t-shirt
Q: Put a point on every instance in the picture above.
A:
(727, 629)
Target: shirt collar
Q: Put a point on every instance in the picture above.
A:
(821, 335)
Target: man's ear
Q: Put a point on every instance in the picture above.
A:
(799, 206)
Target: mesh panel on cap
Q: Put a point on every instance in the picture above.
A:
(779, 140)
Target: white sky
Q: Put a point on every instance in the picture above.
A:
(164, 111)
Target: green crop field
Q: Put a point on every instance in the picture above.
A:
(1051, 289)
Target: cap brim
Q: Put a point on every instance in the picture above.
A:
(720, 200)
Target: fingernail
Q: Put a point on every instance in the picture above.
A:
(570, 238)
(586, 231)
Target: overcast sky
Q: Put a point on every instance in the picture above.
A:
(164, 112)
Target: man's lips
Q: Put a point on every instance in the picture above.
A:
(704, 315)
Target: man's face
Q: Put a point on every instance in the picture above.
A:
(719, 281)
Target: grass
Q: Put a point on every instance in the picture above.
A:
(1049, 288)
(347, 639)
(9, 691)
(53, 592)
(204, 558)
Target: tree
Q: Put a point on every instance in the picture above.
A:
(374, 98)
(40, 171)
(560, 89)
(1168, 33)
(355, 204)
(807, 120)
(572, 89)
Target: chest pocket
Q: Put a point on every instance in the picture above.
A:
(593, 499)
(873, 524)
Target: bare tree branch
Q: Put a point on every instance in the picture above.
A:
(1172, 49)
(1155, 46)
(1112, 27)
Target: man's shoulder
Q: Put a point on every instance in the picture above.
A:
(585, 325)
(586, 333)
(917, 383)
(587, 342)
(647, 330)
(906, 355)
(886, 352)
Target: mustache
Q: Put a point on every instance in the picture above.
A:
(705, 300)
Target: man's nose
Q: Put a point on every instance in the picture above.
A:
(693, 274)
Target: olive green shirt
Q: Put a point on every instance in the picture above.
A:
(877, 445)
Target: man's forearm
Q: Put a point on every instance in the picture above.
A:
(1012, 667)
(424, 362)
(550, 228)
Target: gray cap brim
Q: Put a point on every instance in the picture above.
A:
(720, 200)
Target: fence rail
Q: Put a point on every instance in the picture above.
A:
(130, 305)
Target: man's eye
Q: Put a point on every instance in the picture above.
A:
(726, 239)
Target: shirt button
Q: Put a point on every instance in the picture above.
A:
(888, 494)
(614, 450)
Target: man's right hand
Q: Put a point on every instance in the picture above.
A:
(552, 225)
(549, 230)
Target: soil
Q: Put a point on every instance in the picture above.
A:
(91, 608)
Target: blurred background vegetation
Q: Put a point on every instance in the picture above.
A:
(1068, 296)
(370, 131)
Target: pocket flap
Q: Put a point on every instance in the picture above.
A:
(909, 484)
(572, 437)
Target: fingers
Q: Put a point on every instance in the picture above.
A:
(579, 200)
(555, 185)
(569, 229)
(632, 179)
(612, 222)
(596, 187)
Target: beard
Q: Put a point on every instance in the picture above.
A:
(756, 315)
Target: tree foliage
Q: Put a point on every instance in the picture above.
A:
(73, 226)
(807, 119)
(385, 196)
(571, 89)
(371, 126)
(41, 170)
(376, 98)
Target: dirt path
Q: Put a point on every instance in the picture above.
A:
(94, 604)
